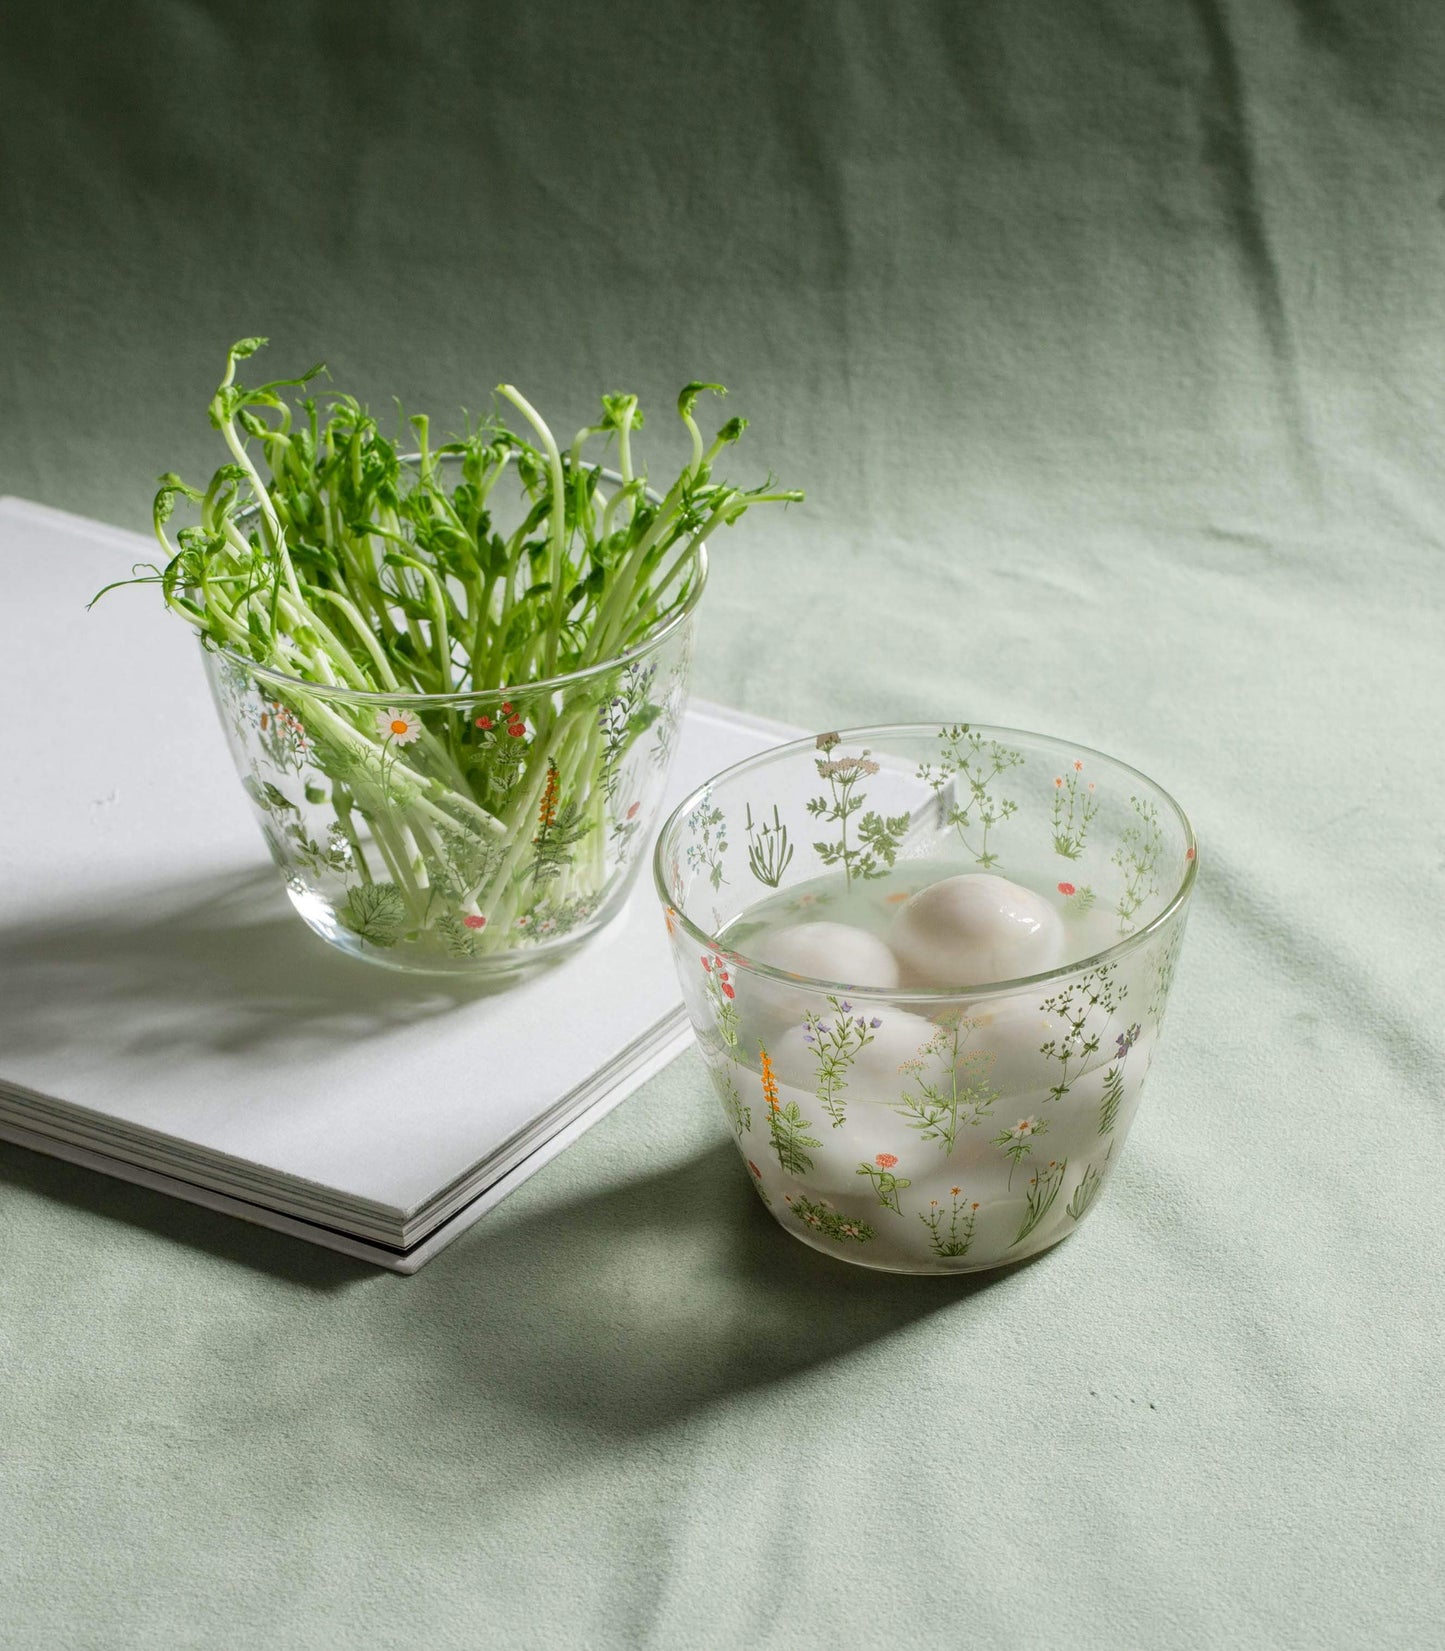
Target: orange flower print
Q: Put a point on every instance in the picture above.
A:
(1059, 782)
(1078, 766)
(547, 812)
(955, 1192)
(1067, 888)
(770, 1080)
(886, 1160)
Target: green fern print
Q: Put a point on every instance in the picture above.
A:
(787, 1127)
(876, 846)
(560, 827)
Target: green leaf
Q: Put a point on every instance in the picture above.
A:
(687, 398)
(376, 912)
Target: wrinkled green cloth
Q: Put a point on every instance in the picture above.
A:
(1106, 341)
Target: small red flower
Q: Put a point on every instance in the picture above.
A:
(1058, 781)
(632, 812)
(1077, 765)
(507, 707)
(516, 729)
(484, 722)
(707, 964)
(1067, 888)
(727, 991)
(1189, 854)
(473, 921)
(886, 1160)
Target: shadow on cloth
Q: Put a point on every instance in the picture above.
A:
(631, 1310)
(278, 1254)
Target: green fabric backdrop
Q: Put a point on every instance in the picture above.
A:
(1106, 339)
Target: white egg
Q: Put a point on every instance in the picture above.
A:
(976, 928)
(829, 951)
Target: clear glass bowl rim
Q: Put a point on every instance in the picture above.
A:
(923, 994)
(483, 696)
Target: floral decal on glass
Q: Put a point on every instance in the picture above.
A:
(1018, 1140)
(1165, 964)
(819, 1216)
(836, 1042)
(886, 1184)
(787, 1127)
(874, 845)
(708, 840)
(1099, 990)
(954, 1240)
(1080, 899)
(769, 851)
(1137, 856)
(1088, 1188)
(722, 995)
(1043, 1189)
(1114, 1079)
(948, 1087)
(1074, 808)
(971, 765)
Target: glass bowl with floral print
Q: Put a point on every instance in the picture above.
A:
(889, 1113)
(467, 833)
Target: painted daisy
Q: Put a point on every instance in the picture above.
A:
(401, 727)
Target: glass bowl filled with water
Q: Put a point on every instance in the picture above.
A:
(927, 967)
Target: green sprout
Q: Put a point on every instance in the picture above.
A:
(322, 551)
